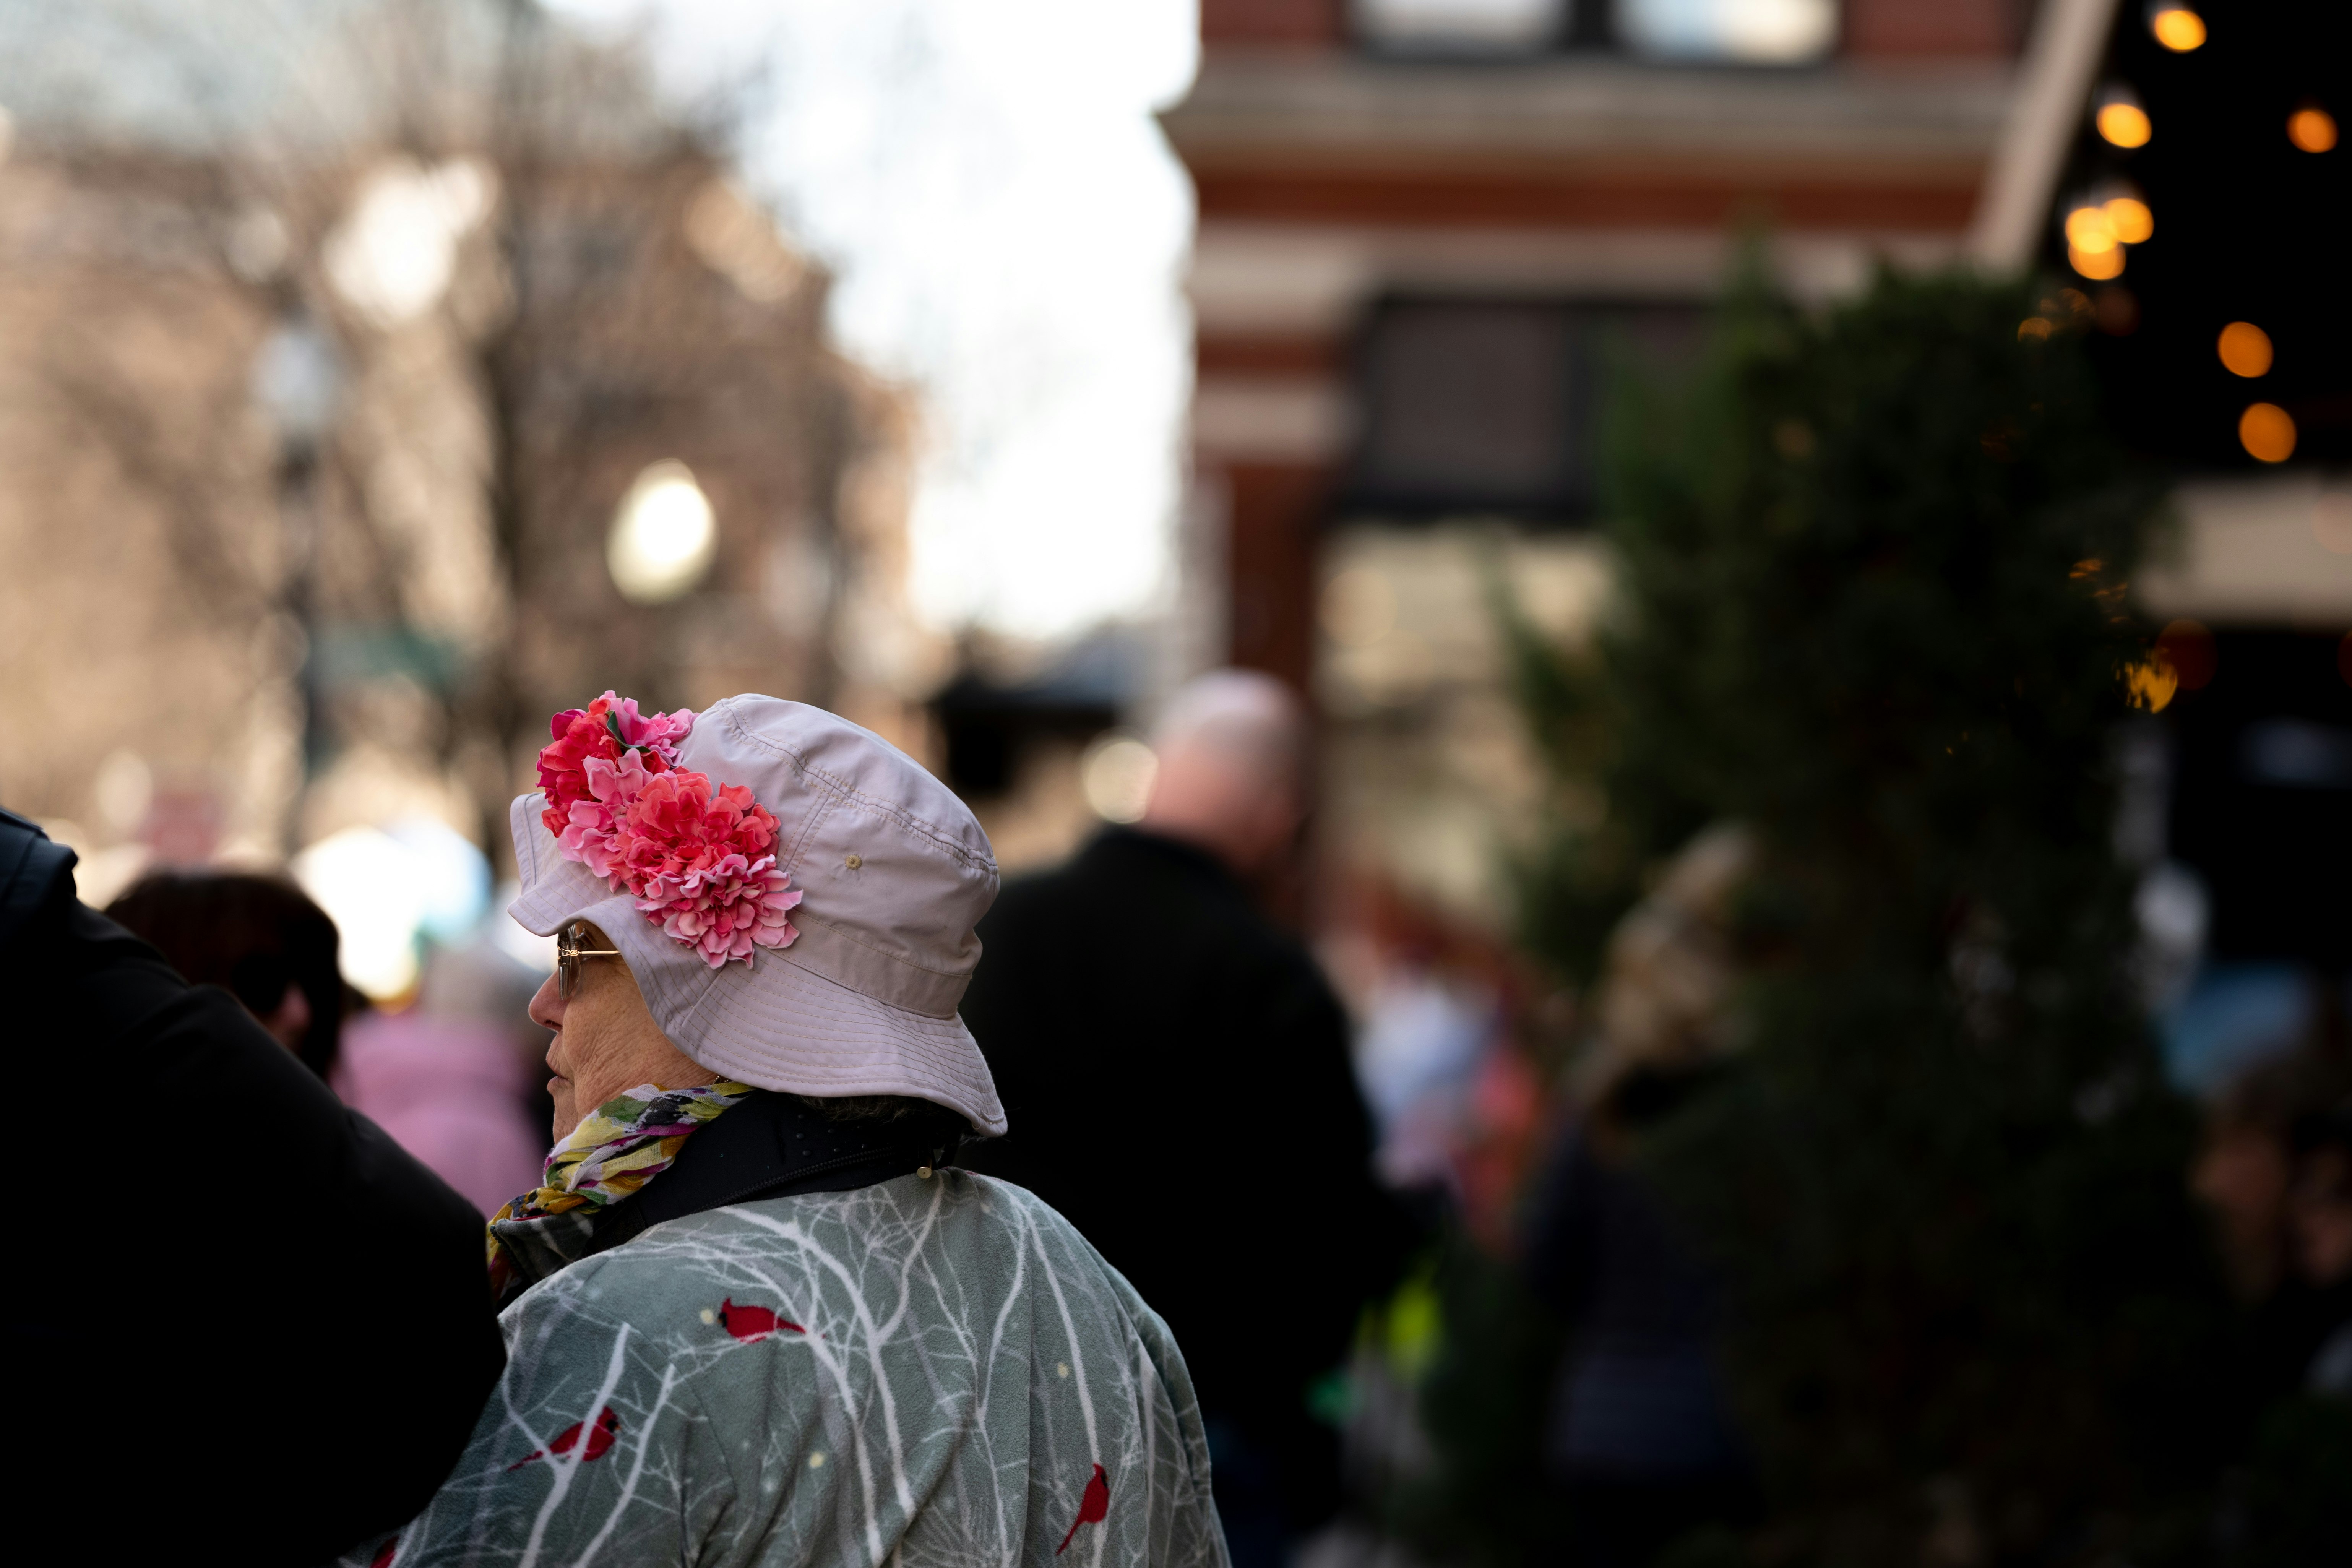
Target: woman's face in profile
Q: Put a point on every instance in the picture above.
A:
(606, 1041)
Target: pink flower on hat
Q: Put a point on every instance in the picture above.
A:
(698, 858)
(610, 728)
(593, 825)
(725, 909)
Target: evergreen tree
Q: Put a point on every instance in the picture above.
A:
(1872, 588)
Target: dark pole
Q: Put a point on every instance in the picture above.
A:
(298, 382)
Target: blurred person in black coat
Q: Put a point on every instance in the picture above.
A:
(1176, 1074)
(241, 1321)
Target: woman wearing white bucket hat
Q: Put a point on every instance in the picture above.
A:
(755, 1314)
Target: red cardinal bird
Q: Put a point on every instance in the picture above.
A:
(1094, 1507)
(600, 1440)
(749, 1324)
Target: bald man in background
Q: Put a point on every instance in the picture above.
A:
(1175, 1071)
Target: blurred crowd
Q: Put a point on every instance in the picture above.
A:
(1285, 1183)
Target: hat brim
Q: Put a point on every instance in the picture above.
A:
(771, 1022)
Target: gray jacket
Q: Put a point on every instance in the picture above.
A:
(923, 1371)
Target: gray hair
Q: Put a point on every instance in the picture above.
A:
(1253, 721)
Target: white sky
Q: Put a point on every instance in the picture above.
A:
(1008, 229)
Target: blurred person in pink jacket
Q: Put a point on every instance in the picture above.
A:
(452, 1080)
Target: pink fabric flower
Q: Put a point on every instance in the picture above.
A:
(592, 828)
(659, 733)
(698, 858)
(726, 911)
(581, 734)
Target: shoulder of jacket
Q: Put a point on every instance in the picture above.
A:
(1025, 1219)
(630, 1284)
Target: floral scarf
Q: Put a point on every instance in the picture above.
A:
(617, 1149)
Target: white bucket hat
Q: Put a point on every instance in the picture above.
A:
(894, 873)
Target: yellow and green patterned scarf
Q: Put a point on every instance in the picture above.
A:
(617, 1149)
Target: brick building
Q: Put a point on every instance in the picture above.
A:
(1411, 240)
(1427, 228)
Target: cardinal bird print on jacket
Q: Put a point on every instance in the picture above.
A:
(600, 1440)
(752, 1324)
(1094, 1507)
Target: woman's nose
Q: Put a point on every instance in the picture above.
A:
(546, 1005)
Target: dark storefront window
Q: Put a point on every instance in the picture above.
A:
(1496, 406)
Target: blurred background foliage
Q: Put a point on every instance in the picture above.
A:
(1873, 565)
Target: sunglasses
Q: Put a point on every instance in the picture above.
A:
(569, 956)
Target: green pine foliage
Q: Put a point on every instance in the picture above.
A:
(1484, 1501)
(1872, 592)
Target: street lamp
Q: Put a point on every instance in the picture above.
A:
(298, 384)
(663, 535)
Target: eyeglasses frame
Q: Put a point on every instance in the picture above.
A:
(568, 956)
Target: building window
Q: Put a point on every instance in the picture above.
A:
(1462, 26)
(1735, 32)
(1494, 406)
(1740, 32)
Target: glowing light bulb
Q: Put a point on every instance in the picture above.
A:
(2098, 266)
(2120, 119)
(2177, 27)
(2151, 682)
(2128, 218)
(2245, 349)
(2090, 230)
(2313, 130)
(2267, 432)
(2125, 124)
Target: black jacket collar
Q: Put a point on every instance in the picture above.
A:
(767, 1146)
(774, 1145)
